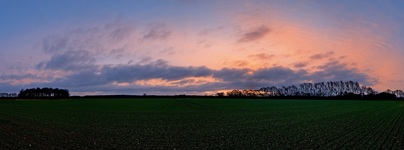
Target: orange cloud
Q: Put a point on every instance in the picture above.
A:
(189, 81)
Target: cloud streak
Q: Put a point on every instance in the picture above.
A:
(162, 77)
(254, 34)
(158, 31)
(69, 60)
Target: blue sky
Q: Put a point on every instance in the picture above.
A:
(198, 47)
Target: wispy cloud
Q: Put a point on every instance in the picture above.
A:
(261, 56)
(254, 34)
(69, 60)
(322, 55)
(157, 31)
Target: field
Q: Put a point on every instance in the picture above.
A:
(197, 123)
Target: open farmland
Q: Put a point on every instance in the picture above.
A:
(183, 123)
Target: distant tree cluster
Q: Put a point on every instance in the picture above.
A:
(322, 89)
(397, 93)
(348, 89)
(44, 93)
(8, 95)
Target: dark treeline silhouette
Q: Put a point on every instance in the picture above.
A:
(320, 90)
(8, 95)
(335, 89)
(44, 93)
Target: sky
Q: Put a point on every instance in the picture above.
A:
(198, 46)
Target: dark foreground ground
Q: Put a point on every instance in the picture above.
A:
(184, 123)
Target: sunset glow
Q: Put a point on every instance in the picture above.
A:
(198, 47)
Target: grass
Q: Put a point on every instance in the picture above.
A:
(169, 123)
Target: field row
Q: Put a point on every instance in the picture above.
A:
(201, 123)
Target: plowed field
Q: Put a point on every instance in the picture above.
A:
(183, 123)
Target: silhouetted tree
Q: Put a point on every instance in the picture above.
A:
(220, 94)
(8, 95)
(44, 93)
(338, 89)
(320, 89)
(235, 93)
(399, 93)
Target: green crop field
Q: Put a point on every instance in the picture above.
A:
(197, 123)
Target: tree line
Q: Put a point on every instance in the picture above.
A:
(44, 93)
(347, 89)
(8, 95)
